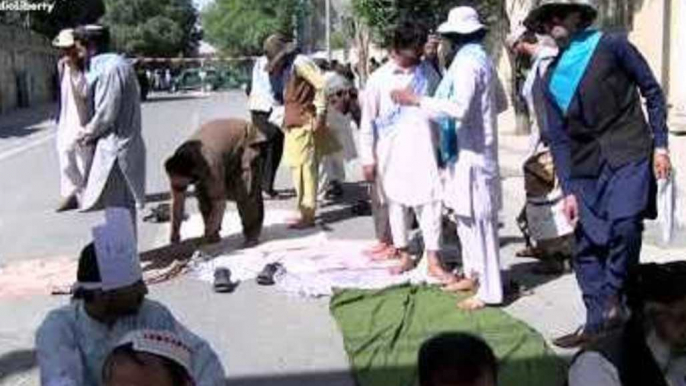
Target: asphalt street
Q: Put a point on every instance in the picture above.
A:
(263, 337)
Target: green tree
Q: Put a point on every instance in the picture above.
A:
(161, 28)
(66, 14)
(238, 27)
(381, 15)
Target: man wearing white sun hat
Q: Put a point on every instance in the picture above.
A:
(465, 106)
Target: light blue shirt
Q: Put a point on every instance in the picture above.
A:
(72, 347)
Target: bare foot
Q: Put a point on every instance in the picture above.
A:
(300, 224)
(445, 277)
(462, 285)
(389, 253)
(406, 264)
(379, 247)
(471, 304)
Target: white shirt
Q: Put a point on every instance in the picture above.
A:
(472, 187)
(591, 368)
(72, 347)
(261, 97)
(405, 153)
(73, 112)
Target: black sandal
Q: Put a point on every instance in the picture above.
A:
(222, 281)
(266, 277)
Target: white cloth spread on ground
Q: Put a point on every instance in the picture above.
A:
(314, 265)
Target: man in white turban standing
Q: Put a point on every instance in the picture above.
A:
(74, 158)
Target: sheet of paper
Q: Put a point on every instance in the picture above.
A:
(116, 249)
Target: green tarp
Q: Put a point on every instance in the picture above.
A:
(383, 330)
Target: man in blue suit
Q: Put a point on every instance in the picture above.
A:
(607, 154)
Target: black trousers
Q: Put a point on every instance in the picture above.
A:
(272, 149)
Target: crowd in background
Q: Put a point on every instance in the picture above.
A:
(426, 138)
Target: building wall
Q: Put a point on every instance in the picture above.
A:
(27, 69)
(660, 34)
(677, 59)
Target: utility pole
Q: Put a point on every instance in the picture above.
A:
(328, 30)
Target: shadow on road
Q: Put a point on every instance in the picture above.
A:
(166, 256)
(23, 122)
(507, 240)
(537, 371)
(15, 132)
(155, 99)
(158, 197)
(16, 362)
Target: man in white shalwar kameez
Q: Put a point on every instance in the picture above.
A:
(398, 147)
(109, 301)
(467, 98)
(332, 168)
(117, 176)
(74, 158)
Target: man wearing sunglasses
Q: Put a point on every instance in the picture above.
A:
(606, 153)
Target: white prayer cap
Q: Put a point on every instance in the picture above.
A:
(161, 343)
(336, 82)
(116, 253)
(64, 39)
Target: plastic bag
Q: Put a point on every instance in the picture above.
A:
(666, 207)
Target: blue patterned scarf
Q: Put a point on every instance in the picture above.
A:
(571, 67)
(447, 127)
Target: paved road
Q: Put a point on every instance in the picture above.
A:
(30, 180)
(263, 337)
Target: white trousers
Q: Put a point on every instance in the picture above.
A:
(75, 163)
(331, 168)
(429, 217)
(481, 256)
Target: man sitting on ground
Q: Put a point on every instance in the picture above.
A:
(109, 302)
(149, 357)
(651, 348)
(457, 359)
(222, 159)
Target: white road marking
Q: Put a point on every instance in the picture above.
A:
(27, 146)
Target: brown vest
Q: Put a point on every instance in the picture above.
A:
(298, 100)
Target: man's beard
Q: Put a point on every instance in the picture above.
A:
(561, 35)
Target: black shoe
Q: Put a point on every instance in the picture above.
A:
(616, 315)
(334, 191)
(222, 281)
(270, 194)
(266, 277)
(578, 338)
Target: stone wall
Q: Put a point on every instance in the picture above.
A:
(27, 69)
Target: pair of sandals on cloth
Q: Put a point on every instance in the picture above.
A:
(223, 283)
